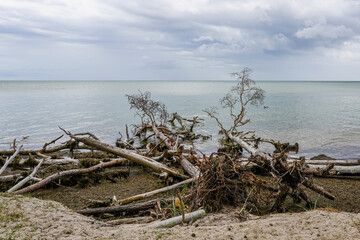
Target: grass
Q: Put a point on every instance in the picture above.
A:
(357, 224)
(13, 215)
(313, 207)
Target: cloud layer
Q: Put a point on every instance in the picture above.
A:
(179, 40)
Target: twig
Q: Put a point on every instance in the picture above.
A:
(147, 154)
(53, 141)
(137, 150)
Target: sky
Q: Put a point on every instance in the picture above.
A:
(179, 40)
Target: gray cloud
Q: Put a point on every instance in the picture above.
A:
(172, 40)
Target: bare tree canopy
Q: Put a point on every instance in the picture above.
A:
(155, 111)
(243, 93)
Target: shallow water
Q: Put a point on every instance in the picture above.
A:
(323, 117)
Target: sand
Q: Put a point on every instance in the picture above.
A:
(24, 217)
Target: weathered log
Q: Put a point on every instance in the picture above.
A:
(170, 144)
(270, 162)
(25, 180)
(67, 145)
(121, 208)
(148, 162)
(192, 170)
(136, 220)
(341, 167)
(337, 162)
(182, 122)
(56, 176)
(341, 170)
(178, 220)
(9, 160)
(10, 178)
(157, 191)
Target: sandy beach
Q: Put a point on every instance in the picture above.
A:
(31, 218)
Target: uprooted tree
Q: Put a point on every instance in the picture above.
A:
(222, 178)
(229, 180)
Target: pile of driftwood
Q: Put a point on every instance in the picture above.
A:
(164, 145)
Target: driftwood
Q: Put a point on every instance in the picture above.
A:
(121, 208)
(67, 145)
(10, 178)
(269, 163)
(25, 180)
(136, 220)
(192, 170)
(337, 162)
(341, 167)
(148, 162)
(9, 160)
(183, 122)
(157, 191)
(341, 170)
(59, 175)
(179, 219)
(168, 141)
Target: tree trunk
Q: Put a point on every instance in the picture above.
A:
(136, 220)
(25, 180)
(192, 170)
(121, 208)
(9, 160)
(268, 161)
(157, 191)
(178, 220)
(341, 170)
(170, 145)
(148, 162)
(56, 176)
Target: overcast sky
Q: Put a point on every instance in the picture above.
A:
(179, 40)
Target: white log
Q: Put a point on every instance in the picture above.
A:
(136, 220)
(340, 162)
(9, 160)
(192, 170)
(145, 161)
(157, 191)
(178, 220)
(341, 170)
(25, 180)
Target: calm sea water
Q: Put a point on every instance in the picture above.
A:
(323, 117)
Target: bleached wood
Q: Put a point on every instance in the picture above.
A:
(157, 191)
(142, 160)
(9, 160)
(56, 176)
(25, 180)
(178, 220)
(255, 152)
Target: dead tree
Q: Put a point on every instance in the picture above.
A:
(288, 175)
(151, 113)
(243, 93)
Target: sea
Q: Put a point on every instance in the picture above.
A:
(322, 117)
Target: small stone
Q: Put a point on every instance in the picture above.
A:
(245, 236)
(196, 225)
(193, 235)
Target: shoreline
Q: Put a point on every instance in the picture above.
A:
(31, 218)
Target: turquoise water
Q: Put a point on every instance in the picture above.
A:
(323, 117)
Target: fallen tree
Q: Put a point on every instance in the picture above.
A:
(148, 162)
(59, 175)
(288, 175)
